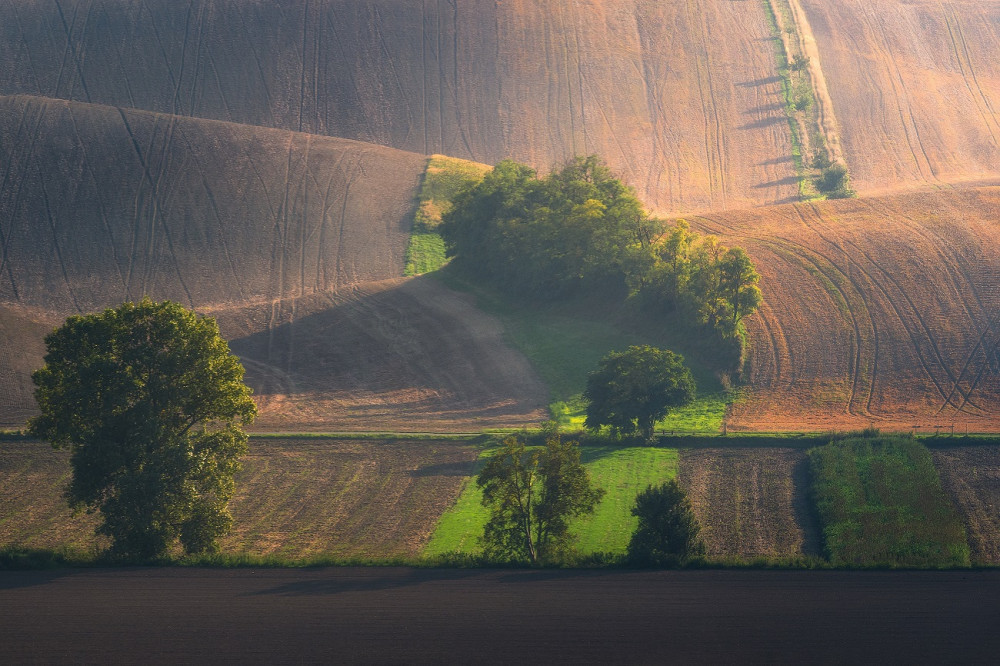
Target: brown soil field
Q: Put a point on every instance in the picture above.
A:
(402, 355)
(682, 98)
(915, 85)
(751, 502)
(99, 205)
(295, 498)
(396, 616)
(878, 310)
(971, 475)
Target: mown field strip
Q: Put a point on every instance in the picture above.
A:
(621, 471)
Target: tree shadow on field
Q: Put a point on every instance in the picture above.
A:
(759, 82)
(787, 180)
(763, 122)
(12, 580)
(370, 579)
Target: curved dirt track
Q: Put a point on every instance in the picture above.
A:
(915, 85)
(402, 355)
(682, 98)
(883, 310)
(99, 205)
(390, 615)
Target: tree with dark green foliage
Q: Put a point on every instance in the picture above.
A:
(547, 237)
(834, 182)
(531, 495)
(150, 402)
(667, 534)
(631, 390)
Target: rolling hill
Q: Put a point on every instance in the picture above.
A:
(682, 98)
(881, 310)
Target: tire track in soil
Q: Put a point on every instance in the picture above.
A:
(952, 262)
(713, 145)
(851, 261)
(968, 71)
(798, 253)
(835, 278)
(900, 94)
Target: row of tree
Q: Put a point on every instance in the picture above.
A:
(580, 228)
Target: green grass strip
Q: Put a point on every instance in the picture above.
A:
(621, 471)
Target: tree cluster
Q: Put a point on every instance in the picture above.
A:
(697, 275)
(581, 228)
(668, 532)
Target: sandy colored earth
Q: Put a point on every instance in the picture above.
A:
(682, 98)
(878, 310)
(915, 85)
(971, 475)
(751, 502)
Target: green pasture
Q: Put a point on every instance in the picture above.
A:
(621, 471)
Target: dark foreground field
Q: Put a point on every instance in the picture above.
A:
(402, 615)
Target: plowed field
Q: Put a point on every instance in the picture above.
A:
(682, 98)
(915, 85)
(99, 205)
(402, 355)
(971, 475)
(751, 502)
(295, 498)
(879, 310)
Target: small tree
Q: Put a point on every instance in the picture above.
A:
(531, 495)
(834, 182)
(633, 389)
(150, 402)
(667, 533)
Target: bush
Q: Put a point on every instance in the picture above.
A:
(667, 534)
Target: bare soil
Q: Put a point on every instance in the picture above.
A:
(877, 311)
(971, 476)
(751, 502)
(101, 205)
(403, 355)
(682, 98)
(294, 498)
(915, 86)
(382, 616)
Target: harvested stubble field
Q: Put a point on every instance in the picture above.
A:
(682, 98)
(876, 310)
(915, 86)
(971, 475)
(295, 498)
(751, 502)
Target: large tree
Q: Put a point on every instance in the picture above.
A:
(150, 401)
(633, 389)
(531, 495)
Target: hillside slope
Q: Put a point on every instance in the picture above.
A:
(915, 85)
(883, 310)
(99, 205)
(682, 98)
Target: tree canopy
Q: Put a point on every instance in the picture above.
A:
(150, 402)
(531, 495)
(631, 390)
(667, 533)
